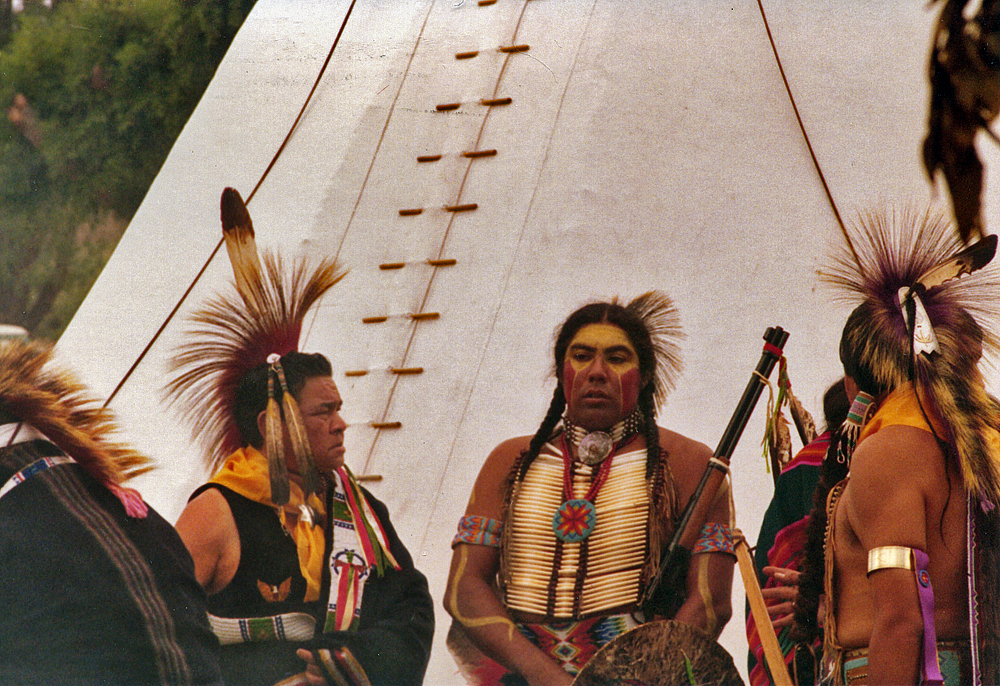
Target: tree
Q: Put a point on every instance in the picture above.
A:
(97, 91)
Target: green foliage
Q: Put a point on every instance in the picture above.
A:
(111, 84)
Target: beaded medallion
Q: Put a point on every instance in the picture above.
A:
(574, 520)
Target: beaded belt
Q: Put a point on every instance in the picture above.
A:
(293, 626)
(954, 659)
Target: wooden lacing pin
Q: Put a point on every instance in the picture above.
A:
(486, 3)
(386, 425)
(496, 102)
(428, 158)
(411, 212)
(391, 265)
(443, 263)
(462, 208)
(479, 153)
(447, 107)
(515, 48)
(423, 316)
(364, 478)
(374, 320)
(356, 372)
(406, 370)
(466, 55)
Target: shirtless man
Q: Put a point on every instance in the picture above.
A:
(897, 605)
(583, 533)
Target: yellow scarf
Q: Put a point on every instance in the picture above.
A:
(245, 472)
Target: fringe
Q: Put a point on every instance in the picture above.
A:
(833, 653)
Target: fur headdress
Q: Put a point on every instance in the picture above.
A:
(52, 401)
(918, 321)
(256, 323)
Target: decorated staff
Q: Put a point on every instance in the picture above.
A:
(306, 576)
(564, 529)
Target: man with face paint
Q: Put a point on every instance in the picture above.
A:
(564, 529)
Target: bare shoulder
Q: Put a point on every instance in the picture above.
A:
(895, 455)
(894, 476)
(209, 532)
(205, 518)
(685, 448)
(488, 493)
(686, 455)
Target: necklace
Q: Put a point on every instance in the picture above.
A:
(592, 447)
(576, 518)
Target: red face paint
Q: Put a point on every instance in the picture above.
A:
(600, 377)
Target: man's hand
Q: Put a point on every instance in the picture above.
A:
(314, 673)
(781, 599)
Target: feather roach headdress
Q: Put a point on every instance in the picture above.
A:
(927, 314)
(256, 323)
(663, 323)
(50, 399)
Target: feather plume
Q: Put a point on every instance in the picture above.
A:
(51, 400)
(897, 249)
(299, 438)
(237, 230)
(226, 339)
(274, 448)
(658, 313)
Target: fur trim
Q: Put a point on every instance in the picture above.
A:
(50, 399)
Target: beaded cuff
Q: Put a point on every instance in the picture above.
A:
(714, 538)
(478, 530)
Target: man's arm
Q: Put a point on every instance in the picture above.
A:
(209, 532)
(471, 598)
(886, 506)
(708, 605)
(709, 583)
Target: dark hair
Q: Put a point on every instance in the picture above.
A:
(638, 335)
(872, 349)
(251, 393)
(835, 406)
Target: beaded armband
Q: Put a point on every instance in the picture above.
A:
(478, 530)
(714, 538)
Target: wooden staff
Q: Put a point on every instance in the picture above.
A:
(773, 655)
(667, 588)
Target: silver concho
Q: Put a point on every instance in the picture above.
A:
(594, 447)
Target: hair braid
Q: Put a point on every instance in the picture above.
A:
(647, 404)
(811, 582)
(552, 418)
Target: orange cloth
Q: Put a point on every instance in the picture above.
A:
(901, 408)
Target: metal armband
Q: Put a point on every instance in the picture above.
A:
(890, 557)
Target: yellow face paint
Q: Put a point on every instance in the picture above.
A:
(606, 341)
(600, 377)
